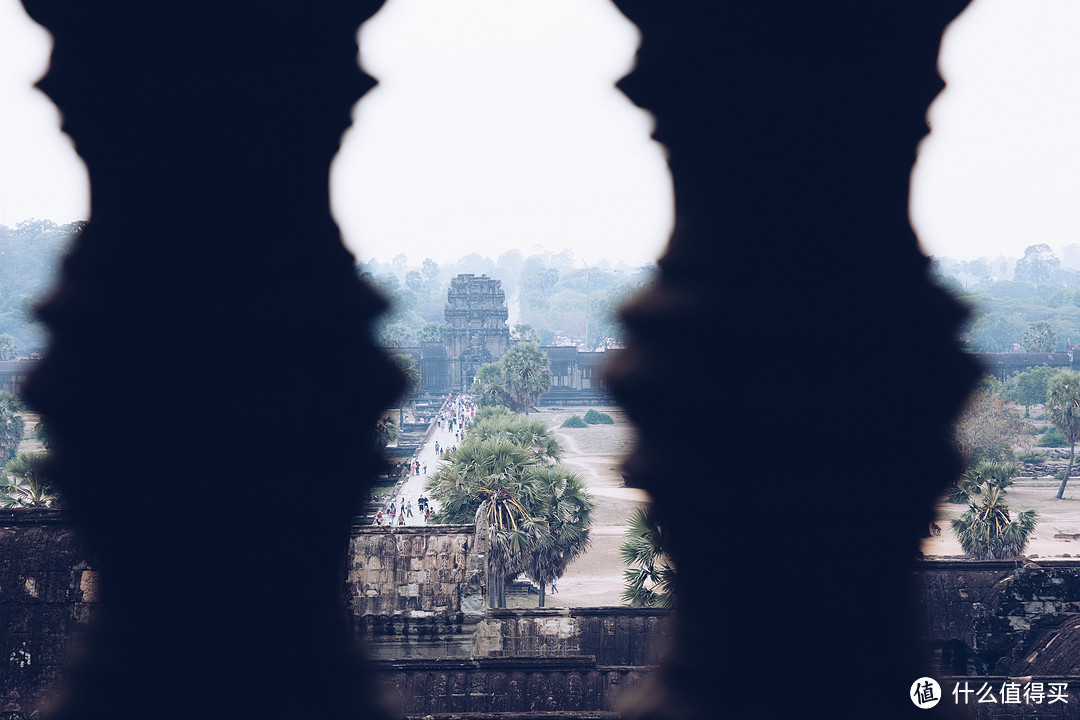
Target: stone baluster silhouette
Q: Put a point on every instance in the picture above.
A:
(212, 265)
(211, 381)
(793, 372)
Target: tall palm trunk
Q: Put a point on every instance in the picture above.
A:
(1068, 471)
(541, 590)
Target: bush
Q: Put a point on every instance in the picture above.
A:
(574, 421)
(598, 418)
(1040, 416)
(1039, 430)
(41, 434)
(1031, 456)
(1054, 439)
(995, 453)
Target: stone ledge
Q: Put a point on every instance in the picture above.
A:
(515, 663)
(962, 563)
(32, 516)
(610, 611)
(539, 715)
(360, 526)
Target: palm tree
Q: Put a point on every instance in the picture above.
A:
(987, 531)
(411, 372)
(386, 431)
(23, 482)
(493, 482)
(1040, 337)
(1063, 410)
(533, 435)
(566, 508)
(510, 532)
(650, 577)
(489, 387)
(12, 425)
(998, 473)
(527, 374)
(481, 465)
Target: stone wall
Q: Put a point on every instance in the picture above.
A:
(981, 614)
(415, 591)
(47, 588)
(612, 635)
(517, 685)
(411, 591)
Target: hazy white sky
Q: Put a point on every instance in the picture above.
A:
(495, 126)
(1001, 169)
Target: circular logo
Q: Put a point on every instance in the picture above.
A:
(925, 693)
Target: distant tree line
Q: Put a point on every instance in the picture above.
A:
(545, 290)
(546, 293)
(29, 256)
(1031, 303)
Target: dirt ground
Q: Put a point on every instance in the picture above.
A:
(29, 443)
(1056, 517)
(595, 452)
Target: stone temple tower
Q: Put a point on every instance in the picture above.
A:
(476, 332)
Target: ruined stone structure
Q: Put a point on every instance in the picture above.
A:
(994, 617)
(414, 597)
(577, 378)
(415, 591)
(13, 374)
(476, 332)
(577, 688)
(611, 635)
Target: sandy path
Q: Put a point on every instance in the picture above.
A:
(596, 453)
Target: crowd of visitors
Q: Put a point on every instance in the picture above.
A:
(451, 423)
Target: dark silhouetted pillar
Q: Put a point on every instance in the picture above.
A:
(212, 382)
(793, 291)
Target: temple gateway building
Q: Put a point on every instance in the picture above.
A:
(476, 333)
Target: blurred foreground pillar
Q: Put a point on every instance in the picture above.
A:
(211, 383)
(794, 372)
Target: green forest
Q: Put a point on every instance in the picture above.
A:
(1031, 303)
(29, 255)
(546, 292)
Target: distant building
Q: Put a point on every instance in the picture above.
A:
(13, 374)
(476, 332)
(1003, 365)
